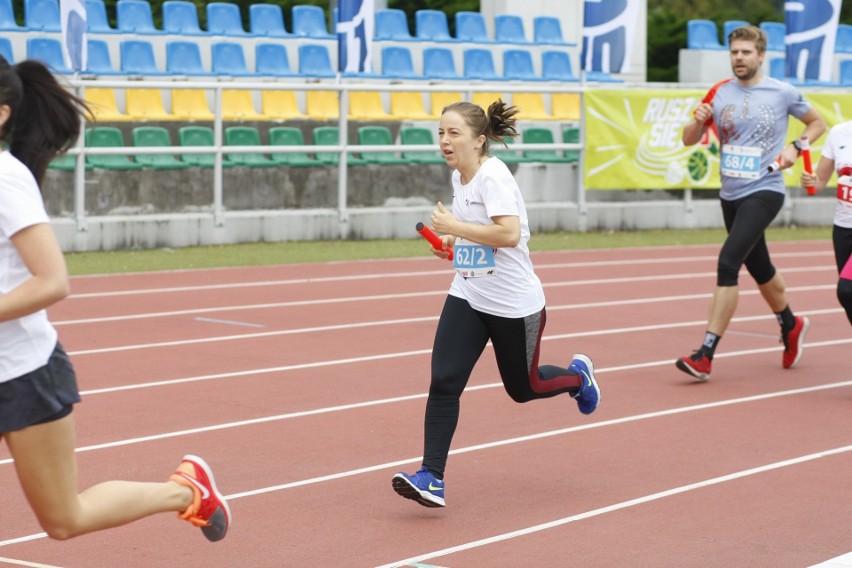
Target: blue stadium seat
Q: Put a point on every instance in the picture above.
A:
(96, 18)
(843, 42)
(730, 26)
(42, 15)
(702, 34)
(775, 32)
(397, 63)
(509, 28)
(518, 65)
(271, 59)
(137, 58)
(601, 77)
(438, 63)
(547, 30)
(99, 62)
(392, 24)
(432, 25)
(470, 26)
(309, 21)
(267, 20)
(180, 17)
(315, 61)
(6, 50)
(778, 68)
(48, 51)
(184, 58)
(846, 73)
(479, 64)
(134, 16)
(223, 18)
(7, 16)
(227, 58)
(556, 66)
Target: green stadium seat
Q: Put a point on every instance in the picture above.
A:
(290, 136)
(108, 137)
(199, 136)
(148, 136)
(571, 136)
(378, 135)
(420, 135)
(65, 162)
(330, 136)
(506, 154)
(246, 136)
(540, 136)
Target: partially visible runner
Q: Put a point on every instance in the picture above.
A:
(837, 157)
(38, 387)
(750, 114)
(495, 294)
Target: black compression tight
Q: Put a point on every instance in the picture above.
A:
(746, 219)
(842, 238)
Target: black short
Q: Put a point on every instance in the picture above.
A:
(44, 395)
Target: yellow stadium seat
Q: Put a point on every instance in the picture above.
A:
(531, 106)
(565, 106)
(367, 105)
(280, 105)
(322, 105)
(103, 104)
(237, 104)
(438, 100)
(191, 104)
(146, 104)
(406, 105)
(484, 99)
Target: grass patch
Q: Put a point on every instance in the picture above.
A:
(256, 254)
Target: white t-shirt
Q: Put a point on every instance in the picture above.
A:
(27, 342)
(838, 147)
(514, 291)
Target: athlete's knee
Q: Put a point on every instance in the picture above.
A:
(727, 272)
(763, 274)
(844, 294)
(445, 384)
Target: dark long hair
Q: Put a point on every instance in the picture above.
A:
(44, 119)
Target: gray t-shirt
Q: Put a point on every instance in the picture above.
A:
(752, 127)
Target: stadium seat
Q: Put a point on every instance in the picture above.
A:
(108, 137)
(730, 26)
(6, 50)
(96, 18)
(99, 62)
(479, 64)
(565, 106)
(155, 136)
(775, 33)
(505, 153)
(246, 136)
(420, 135)
(547, 30)
(289, 136)
(408, 105)
(134, 17)
(485, 98)
(392, 24)
(843, 41)
(238, 104)
(330, 136)
(438, 63)
(180, 17)
(314, 60)
(438, 100)
(227, 59)
(601, 77)
(184, 58)
(145, 104)
(322, 105)
(778, 68)
(518, 65)
(540, 136)
(137, 57)
(470, 27)
(191, 104)
(509, 28)
(571, 136)
(199, 136)
(531, 106)
(846, 73)
(397, 63)
(7, 17)
(432, 25)
(702, 34)
(309, 21)
(65, 162)
(49, 51)
(378, 136)
(556, 66)
(42, 15)
(103, 104)
(280, 105)
(267, 20)
(271, 59)
(367, 105)
(223, 18)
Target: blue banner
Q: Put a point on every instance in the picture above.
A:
(355, 22)
(608, 31)
(811, 34)
(74, 43)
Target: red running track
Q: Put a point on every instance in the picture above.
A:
(304, 387)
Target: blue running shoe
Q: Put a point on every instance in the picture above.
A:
(422, 487)
(589, 395)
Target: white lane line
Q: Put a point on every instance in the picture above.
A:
(844, 561)
(623, 505)
(25, 563)
(230, 322)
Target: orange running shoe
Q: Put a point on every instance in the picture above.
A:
(208, 509)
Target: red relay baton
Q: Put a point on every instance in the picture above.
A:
(433, 239)
(806, 158)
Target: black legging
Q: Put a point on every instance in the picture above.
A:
(459, 341)
(842, 238)
(746, 219)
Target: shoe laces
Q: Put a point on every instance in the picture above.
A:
(697, 355)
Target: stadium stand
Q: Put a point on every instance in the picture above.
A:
(407, 105)
(518, 65)
(134, 17)
(309, 21)
(531, 106)
(246, 136)
(267, 20)
(367, 105)
(49, 51)
(419, 135)
(846, 73)
(432, 25)
(397, 63)
(108, 137)
(843, 41)
(238, 104)
(315, 61)
(330, 136)
(392, 24)
(103, 104)
(199, 136)
(440, 99)
(547, 30)
(565, 106)
(191, 104)
(96, 18)
(223, 18)
(470, 27)
(7, 17)
(180, 17)
(280, 105)
(376, 136)
(145, 104)
(155, 136)
(571, 136)
(556, 66)
(42, 15)
(289, 136)
(509, 28)
(184, 58)
(702, 34)
(322, 105)
(775, 32)
(6, 49)
(271, 59)
(540, 136)
(99, 62)
(227, 59)
(137, 57)
(729, 26)
(479, 64)
(439, 64)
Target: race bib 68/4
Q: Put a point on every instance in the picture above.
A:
(740, 161)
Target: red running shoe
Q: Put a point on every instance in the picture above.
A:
(208, 509)
(794, 342)
(698, 365)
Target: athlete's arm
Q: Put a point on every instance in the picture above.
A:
(505, 232)
(694, 131)
(814, 127)
(820, 177)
